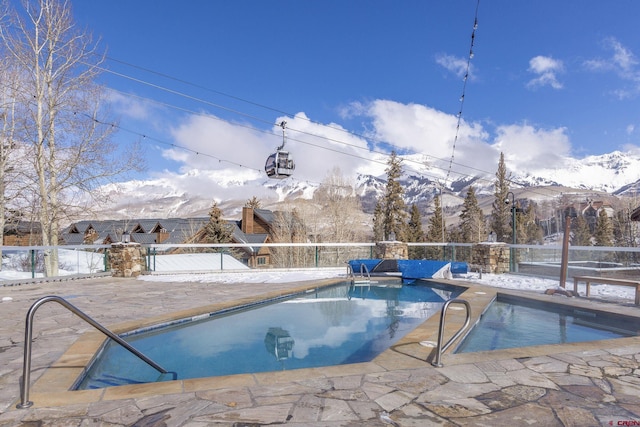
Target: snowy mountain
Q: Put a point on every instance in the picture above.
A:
(616, 174)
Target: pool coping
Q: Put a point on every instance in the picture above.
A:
(52, 388)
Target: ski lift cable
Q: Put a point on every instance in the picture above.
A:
(146, 137)
(259, 170)
(252, 117)
(325, 138)
(464, 88)
(451, 160)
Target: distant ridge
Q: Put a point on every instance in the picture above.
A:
(615, 174)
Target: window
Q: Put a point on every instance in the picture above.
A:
(262, 260)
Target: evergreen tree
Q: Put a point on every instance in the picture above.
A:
(378, 225)
(528, 230)
(580, 234)
(604, 230)
(394, 215)
(472, 223)
(624, 230)
(253, 203)
(435, 230)
(414, 232)
(501, 213)
(217, 230)
(436, 223)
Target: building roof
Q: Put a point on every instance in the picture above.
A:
(144, 231)
(635, 215)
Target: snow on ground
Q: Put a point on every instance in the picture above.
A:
(506, 281)
(252, 276)
(195, 262)
(231, 271)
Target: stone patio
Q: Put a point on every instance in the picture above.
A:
(582, 384)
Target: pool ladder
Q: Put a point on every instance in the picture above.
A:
(359, 279)
(442, 348)
(28, 335)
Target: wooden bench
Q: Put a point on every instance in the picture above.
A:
(606, 281)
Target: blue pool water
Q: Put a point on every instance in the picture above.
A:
(511, 322)
(337, 325)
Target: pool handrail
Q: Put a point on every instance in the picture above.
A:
(442, 348)
(28, 336)
(363, 269)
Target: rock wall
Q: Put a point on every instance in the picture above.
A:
(391, 250)
(490, 257)
(126, 260)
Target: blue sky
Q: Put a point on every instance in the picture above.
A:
(548, 79)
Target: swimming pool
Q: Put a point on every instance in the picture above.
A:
(336, 325)
(511, 322)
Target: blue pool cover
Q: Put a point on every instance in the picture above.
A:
(410, 268)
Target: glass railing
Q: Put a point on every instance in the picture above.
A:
(27, 262)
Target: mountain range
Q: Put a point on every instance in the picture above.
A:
(609, 176)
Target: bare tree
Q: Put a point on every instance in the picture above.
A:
(288, 227)
(8, 91)
(340, 208)
(68, 142)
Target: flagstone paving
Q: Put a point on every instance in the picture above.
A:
(570, 385)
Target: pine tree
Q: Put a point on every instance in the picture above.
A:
(528, 230)
(604, 230)
(580, 234)
(217, 230)
(394, 215)
(378, 225)
(472, 223)
(625, 230)
(435, 230)
(501, 213)
(414, 232)
(253, 203)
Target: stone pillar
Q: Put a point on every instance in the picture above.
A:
(490, 257)
(126, 259)
(391, 250)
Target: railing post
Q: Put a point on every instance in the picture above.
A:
(28, 336)
(33, 263)
(442, 348)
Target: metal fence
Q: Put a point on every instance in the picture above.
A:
(21, 262)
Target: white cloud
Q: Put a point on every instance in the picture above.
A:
(423, 131)
(129, 106)
(455, 65)
(622, 62)
(417, 128)
(210, 143)
(546, 69)
(529, 148)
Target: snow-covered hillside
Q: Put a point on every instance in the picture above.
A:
(192, 193)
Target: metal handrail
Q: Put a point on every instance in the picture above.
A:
(28, 335)
(440, 348)
(363, 269)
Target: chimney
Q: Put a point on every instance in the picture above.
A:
(247, 220)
